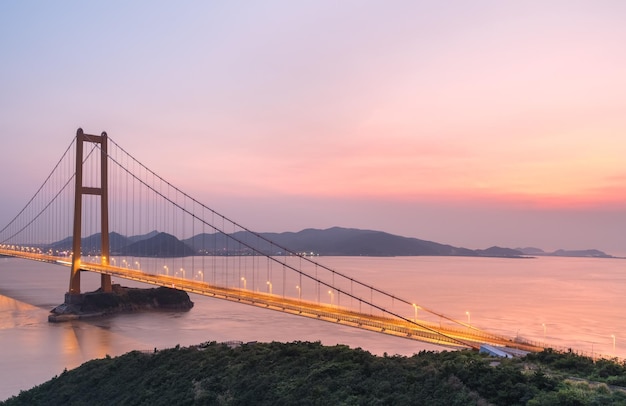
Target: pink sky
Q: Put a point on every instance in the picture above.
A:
(469, 123)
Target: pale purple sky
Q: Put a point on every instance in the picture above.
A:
(472, 123)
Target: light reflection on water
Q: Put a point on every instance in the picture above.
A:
(580, 302)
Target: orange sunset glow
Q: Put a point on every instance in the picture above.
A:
(428, 120)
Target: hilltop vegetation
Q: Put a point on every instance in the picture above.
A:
(311, 374)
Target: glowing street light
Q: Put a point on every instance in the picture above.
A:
(244, 282)
(201, 274)
(137, 263)
(469, 319)
(182, 271)
(299, 292)
(269, 286)
(330, 292)
(415, 307)
(166, 269)
(613, 336)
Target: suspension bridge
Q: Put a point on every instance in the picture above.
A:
(99, 210)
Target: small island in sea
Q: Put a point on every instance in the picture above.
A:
(121, 300)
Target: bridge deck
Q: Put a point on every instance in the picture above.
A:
(460, 337)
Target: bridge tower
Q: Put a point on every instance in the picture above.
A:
(74, 295)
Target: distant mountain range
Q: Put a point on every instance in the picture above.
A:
(564, 253)
(334, 241)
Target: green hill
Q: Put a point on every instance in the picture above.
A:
(305, 373)
(159, 245)
(332, 241)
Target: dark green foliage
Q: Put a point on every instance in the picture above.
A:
(602, 370)
(307, 373)
(567, 362)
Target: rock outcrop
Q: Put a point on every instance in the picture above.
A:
(121, 300)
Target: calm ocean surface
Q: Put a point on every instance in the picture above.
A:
(576, 303)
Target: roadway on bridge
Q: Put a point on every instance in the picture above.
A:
(461, 336)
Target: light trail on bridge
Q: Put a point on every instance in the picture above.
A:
(459, 337)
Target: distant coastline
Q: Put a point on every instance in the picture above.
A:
(335, 241)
